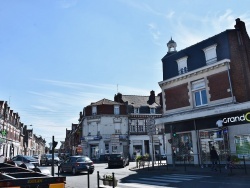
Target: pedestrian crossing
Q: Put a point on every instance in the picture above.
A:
(159, 181)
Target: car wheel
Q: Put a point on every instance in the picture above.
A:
(74, 171)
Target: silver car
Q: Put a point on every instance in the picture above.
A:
(46, 159)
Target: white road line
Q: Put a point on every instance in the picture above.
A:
(174, 178)
(138, 185)
(148, 183)
(154, 179)
(190, 176)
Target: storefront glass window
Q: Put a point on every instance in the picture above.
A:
(183, 148)
(242, 143)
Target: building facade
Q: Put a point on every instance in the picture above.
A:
(206, 97)
(206, 101)
(139, 110)
(15, 137)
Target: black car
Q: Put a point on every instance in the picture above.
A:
(46, 159)
(118, 159)
(25, 161)
(76, 164)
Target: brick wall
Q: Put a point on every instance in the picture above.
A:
(177, 97)
(240, 63)
(218, 85)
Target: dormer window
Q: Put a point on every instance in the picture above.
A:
(210, 54)
(94, 110)
(116, 109)
(136, 110)
(182, 65)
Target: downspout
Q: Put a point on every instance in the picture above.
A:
(230, 83)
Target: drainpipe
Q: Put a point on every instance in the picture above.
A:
(230, 83)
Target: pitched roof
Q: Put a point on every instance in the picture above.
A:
(137, 101)
(105, 101)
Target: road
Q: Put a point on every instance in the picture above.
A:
(157, 179)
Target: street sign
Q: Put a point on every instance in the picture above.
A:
(151, 128)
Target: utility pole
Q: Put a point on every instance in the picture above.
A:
(53, 151)
(172, 138)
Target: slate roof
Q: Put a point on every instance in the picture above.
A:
(137, 101)
(105, 101)
(196, 56)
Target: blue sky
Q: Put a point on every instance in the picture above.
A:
(58, 56)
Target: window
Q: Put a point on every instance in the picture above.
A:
(94, 110)
(116, 109)
(117, 131)
(199, 93)
(210, 54)
(141, 126)
(182, 65)
(136, 110)
(133, 126)
(152, 110)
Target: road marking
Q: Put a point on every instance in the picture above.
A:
(161, 180)
(190, 176)
(148, 183)
(138, 185)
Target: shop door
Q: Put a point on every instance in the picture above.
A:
(213, 137)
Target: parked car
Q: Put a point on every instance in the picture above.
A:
(46, 159)
(118, 159)
(76, 164)
(24, 161)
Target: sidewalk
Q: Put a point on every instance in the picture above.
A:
(191, 168)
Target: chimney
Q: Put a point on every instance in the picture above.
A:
(151, 98)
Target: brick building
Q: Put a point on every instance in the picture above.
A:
(206, 97)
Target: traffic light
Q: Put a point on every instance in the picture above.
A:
(54, 144)
(170, 141)
(174, 131)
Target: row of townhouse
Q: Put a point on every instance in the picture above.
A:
(205, 101)
(15, 137)
(120, 125)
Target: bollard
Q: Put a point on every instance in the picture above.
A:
(98, 185)
(58, 170)
(88, 177)
(245, 165)
(219, 166)
(113, 175)
(185, 165)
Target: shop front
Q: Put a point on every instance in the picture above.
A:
(228, 133)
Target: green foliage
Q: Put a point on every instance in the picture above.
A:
(235, 158)
(108, 177)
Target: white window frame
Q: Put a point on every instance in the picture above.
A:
(136, 110)
(141, 125)
(116, 109)
(210, 54)
(182, 65)
(133, 126)
(199, 88)
(94, 110)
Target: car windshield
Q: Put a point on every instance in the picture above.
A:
(115, 156)
(83, 159)
(30, 158)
